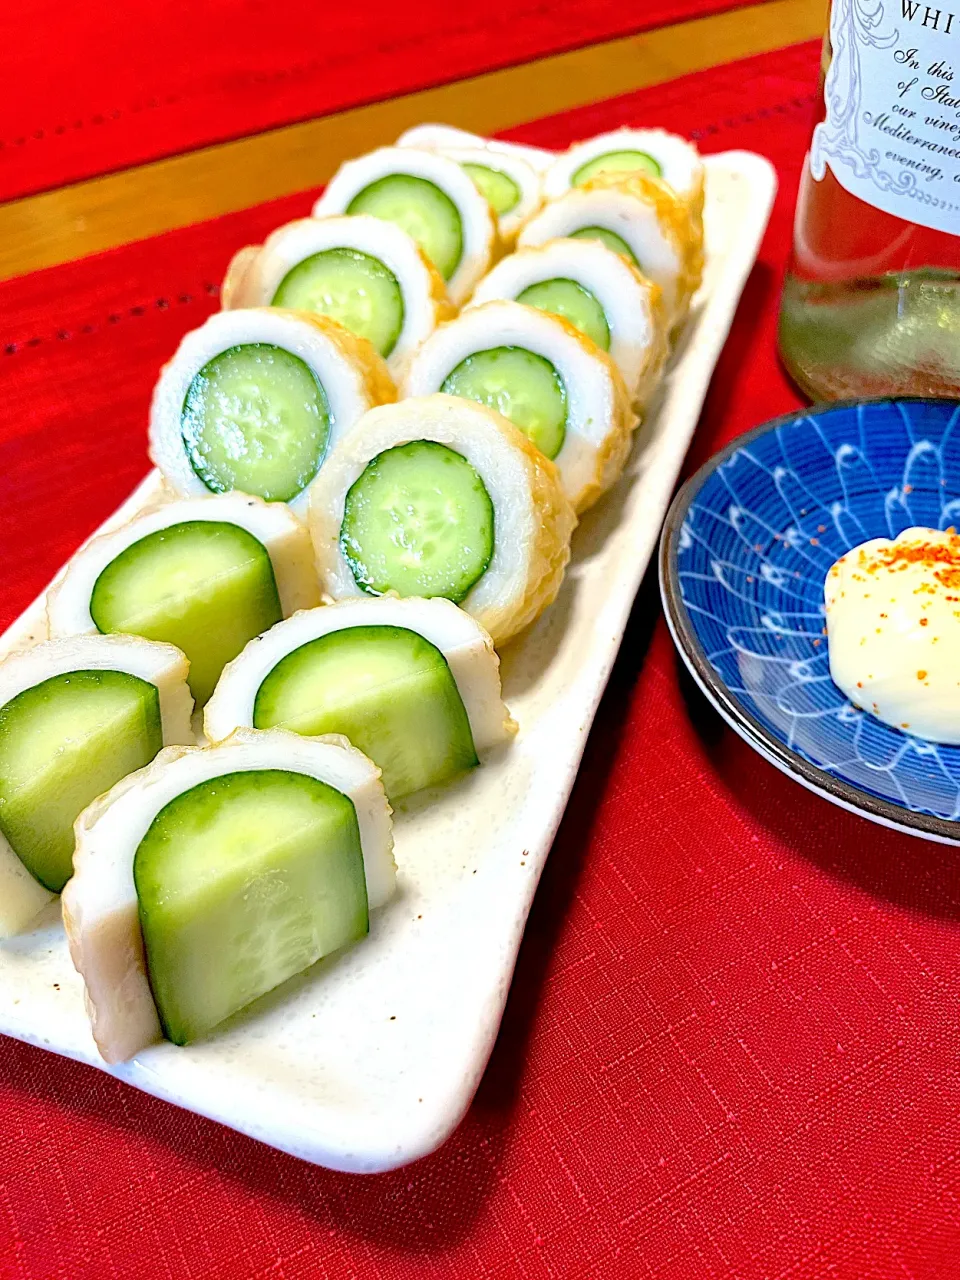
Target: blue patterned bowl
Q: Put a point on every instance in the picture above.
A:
(746, 547)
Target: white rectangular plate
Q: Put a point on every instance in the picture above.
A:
(371, 1059)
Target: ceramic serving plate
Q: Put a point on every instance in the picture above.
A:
(745, 550)
(371, 1059)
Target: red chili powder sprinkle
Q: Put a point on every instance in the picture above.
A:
(924, 622)
(942, 558)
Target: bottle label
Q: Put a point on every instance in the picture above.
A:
(891, 135)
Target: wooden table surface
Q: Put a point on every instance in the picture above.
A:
(86, 217)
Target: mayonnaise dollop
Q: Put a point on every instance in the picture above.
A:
(893, 629)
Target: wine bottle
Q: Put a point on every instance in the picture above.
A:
(871, 302)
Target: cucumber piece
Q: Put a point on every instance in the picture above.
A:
(242, 882)
(351, 287)
(256, 418)
(610, 239)
(205, 586)
(64, 742)
(388, 690)
(524, 387)
(498, 187)
(616, 162)
(571, 301)
(418, 521)
(422, 210)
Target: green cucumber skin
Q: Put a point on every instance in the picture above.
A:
(420, 208)
(610, 239)
(353, 288)
(59, 750)
(387, 689)
(256, 418)
(418, 521)
(572, 302)
(522, 386)
(498, 187)
(617, 162)
(222, 592)
(242, 882)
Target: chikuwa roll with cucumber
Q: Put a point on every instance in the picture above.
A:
(555, 385)
(639, 217)
(76, 716)
(215, 874)
(440, 137)
(597, 291)
(428, 196)
(626, 151)
(205, 574)
(414, 684)
(441, 496)
(364, 272)
(254, 399)
(509, 182)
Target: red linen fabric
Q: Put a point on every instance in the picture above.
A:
(731, 1045)
(88, 88)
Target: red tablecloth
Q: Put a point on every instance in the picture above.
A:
(731, 1047)
(92, 87)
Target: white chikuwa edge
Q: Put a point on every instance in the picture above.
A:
(372, 1062)
(478, 221)
(439, 137)
(343, 381)
(284, 537)
(100, 902)
(512, 165)
(162, 665)
(261, 272)
(630, 302)
(594, 391)
(466, 647)
(680, 163)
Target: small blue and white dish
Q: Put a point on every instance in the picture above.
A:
(745, 550)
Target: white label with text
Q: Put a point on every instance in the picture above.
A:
(891, 135)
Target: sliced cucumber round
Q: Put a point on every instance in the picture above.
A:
(242, 882)
(256, 418)
(388, 690)
(498, 187)
(421, 209)
(205, 586)
(617, 162)
(351, 287)
(573, 302)
(524, 387)
(610, 239)
(64, 742)
(418, 521)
